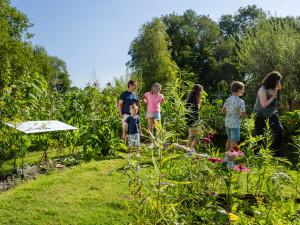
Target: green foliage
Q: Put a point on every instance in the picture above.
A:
(150, 55)
(271, 45)
(291, 122)
(19, 57)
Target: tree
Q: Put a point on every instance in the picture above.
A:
(238, 24)
(192, 37)
(150, 55)
(17, 55)
(272, 45)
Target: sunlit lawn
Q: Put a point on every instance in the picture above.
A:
(91, 193)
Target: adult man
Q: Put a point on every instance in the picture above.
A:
(127, 98)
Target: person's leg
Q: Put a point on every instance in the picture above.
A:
(234, 137)
(156, 123)
(130, 145)
(277, 129)
(150, 125)
(137, 144)
(190, 136)
(260, 125)
(138, 151)
(194, 142)
(124, 128)
(227, 145)
(232, 144)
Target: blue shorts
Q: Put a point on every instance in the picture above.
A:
(233, 134)
(134, 140)
(153, 115)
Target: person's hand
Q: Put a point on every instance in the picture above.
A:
(275, 92)
(278, 86)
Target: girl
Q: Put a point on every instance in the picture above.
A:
(193, 108)
(153, 100)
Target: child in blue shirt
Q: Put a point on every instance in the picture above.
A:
(134, 130)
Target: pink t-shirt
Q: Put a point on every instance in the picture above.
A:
(153, 101)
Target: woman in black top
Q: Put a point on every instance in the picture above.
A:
(193, 108)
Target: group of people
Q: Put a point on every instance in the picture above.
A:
(128, 106)
(233, 108)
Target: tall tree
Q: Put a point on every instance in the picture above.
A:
(18, 56)
(238, 24)
(150, 55)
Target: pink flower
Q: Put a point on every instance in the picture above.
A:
(241, 168)
(216, 160)
(206, 140)
(235, 153)
(210, 135)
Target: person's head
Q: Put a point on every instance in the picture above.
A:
(271, 80)
(195, 95)
(156, 88)
(134, 109)
(237, 88)
(131, 85)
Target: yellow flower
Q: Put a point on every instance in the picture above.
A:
(233, 217)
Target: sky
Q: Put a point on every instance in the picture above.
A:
(93, 36)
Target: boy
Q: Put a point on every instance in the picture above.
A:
(134, 130)
(234, 108)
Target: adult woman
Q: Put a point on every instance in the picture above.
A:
(193, 108)
(265, 108)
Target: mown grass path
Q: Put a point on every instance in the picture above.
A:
(91, 193)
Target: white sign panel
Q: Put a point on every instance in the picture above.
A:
(32, 127)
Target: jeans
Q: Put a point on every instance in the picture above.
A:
(275, 126)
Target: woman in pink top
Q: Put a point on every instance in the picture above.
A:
(153, 100)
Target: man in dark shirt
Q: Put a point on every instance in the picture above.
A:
(127, 99)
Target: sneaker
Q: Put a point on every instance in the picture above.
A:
(138, 155)
(130, 155)
(191, 152)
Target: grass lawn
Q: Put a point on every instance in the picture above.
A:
(91, 193)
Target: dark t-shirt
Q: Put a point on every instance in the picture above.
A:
(128, 98)
(133, 124)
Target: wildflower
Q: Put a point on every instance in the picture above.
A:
(213, 193)
(280, 176)
(233, 217)
(235, 153)
(241, 168)
(216, 160)
(210, 135)
(206, 140)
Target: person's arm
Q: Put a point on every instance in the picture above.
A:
(162, 99)
(223, 110)
(144, 98)
(262, 94)
(120, 107)
(140, 127)
(243, 110)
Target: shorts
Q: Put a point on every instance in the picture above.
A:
(125, 116)
(153, 115)
(233, 134)
(134, 139)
